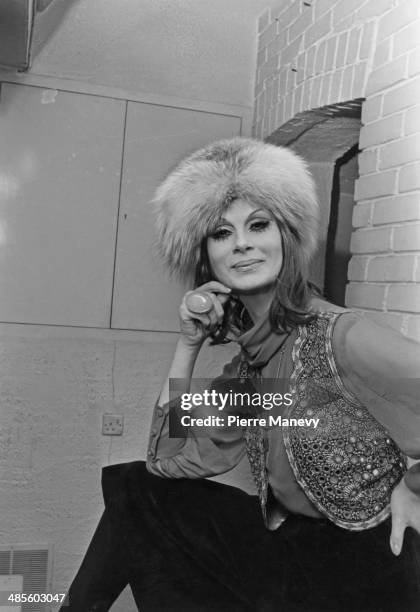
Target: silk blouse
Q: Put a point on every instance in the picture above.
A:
(375, 363)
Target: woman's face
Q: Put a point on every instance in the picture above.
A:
(245, 249)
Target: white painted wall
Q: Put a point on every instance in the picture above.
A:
(56, 383)
(187, 48)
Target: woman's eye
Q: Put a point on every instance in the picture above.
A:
(259, 226)
(220, 234)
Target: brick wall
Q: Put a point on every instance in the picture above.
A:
(317, 52)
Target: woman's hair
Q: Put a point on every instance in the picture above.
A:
(293, 290)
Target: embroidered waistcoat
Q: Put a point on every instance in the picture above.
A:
(347, 465)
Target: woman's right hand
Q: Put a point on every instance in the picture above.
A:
(196, 327)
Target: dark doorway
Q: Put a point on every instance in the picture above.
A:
(328, 138)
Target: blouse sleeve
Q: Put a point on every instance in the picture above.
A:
(381, 368)
(203, 452)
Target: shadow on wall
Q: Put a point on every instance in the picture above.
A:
(337, 254)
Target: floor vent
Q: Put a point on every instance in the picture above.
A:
(33, 564)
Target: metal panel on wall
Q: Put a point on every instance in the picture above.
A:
(157, 137)
(60, 162)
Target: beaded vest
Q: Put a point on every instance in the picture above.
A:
(347, 465)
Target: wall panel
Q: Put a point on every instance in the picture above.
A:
(157, 137)
(60, 162)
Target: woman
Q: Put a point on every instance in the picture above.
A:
(239, 219)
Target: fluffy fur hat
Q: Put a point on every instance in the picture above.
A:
(192, 198)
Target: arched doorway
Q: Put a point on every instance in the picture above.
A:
(328, 138)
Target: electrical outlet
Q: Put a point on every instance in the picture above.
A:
(112, 424)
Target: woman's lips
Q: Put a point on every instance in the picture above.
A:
(247, 265)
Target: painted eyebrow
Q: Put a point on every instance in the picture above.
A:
(254, 212)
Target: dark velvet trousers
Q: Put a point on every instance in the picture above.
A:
(200, 546)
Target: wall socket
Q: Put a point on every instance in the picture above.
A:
(112, 424)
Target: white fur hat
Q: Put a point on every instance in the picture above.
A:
(192, 198)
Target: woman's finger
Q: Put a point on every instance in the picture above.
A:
(213, 317)
(223, 297)
(217, 307)
(397, 533)
(204, 319)
(214, 286)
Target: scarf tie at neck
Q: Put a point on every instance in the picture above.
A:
(260, 343)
